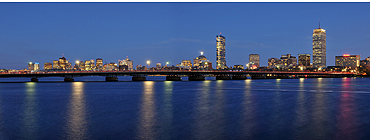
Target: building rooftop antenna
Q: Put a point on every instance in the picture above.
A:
(319, 24)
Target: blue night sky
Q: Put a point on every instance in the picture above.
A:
(160, 32)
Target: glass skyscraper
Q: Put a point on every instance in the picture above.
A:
(220, 53)
(319, 48)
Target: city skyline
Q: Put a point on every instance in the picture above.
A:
(42, 32)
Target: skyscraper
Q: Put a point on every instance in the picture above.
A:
(319, 47)
(220, 53)
(254, 59)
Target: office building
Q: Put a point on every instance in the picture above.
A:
(221, 52)
(68, 65)
(92, 64)
(130, 64)
(33, 66)
(99, 64)
(81, 65)
(88, 65)
(205, 65)
(126, 62)
(319, 48)
(288, 60)
(56, 64)
(304, 59)
(198, 60)
(273, 62)
(186, 63)
(254, 59)
(48, 66)
(347, 60)
(62, 63)
(111, 66)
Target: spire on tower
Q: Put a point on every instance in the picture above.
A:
(319, 24)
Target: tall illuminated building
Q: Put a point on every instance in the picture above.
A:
(130, 64)
(220, 53)
(255, 59)
(319, 48)
(88, 65)
(30, 66)
(99, 64)
(92, 64)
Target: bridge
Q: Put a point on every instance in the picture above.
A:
(175, 75)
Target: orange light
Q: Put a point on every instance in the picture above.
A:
(346, 55)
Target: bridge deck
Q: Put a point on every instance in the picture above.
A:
(165, 73)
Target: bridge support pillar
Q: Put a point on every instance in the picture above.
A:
(173, 78)
(239, 77)
(34, 80)
(197, 78)
(111, 78)
(223, 78)
(68, 79)
(138, 77)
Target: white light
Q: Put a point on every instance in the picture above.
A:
(201, 53)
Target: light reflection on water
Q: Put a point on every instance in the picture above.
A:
(301, 112)
(147, 113)
(346, 118)
(167, 110)
(248, 113)
(76, 128)
(319, 113)
(30, 124)
(203, 109)
(246, 109)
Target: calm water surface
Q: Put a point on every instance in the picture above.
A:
(328, 108)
